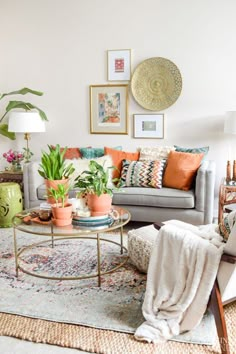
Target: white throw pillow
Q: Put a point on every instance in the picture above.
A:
(154, 152)
(81, 165)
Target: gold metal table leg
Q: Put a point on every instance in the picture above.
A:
(121, 240)
(15, 251)
(99, 259)
(52, 235)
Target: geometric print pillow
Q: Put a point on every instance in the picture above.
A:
(142, 173)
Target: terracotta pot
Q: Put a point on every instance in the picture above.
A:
(61, 222)
(99, 205)
(62, 213)
(53, 184)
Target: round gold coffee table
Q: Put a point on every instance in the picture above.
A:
(53, 234)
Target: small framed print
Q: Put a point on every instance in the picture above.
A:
(149, 126)
(119, 65)
(109, 109)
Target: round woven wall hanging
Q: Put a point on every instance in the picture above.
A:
(156, 83)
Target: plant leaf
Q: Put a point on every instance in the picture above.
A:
(27, 106)
(22, 91)
(4, 131)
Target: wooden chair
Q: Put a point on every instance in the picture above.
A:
(224, 289)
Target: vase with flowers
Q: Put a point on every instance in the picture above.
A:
(14, 158)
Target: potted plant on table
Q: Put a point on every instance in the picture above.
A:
(95, 185)
(61, 210)
(54, 169)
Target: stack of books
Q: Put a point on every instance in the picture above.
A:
(92, 221)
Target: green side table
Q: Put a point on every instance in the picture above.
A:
(10, 202)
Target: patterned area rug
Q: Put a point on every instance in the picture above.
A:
(115, 306)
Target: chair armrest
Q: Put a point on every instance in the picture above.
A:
(158, 225)
(228, 258)
(204, 190)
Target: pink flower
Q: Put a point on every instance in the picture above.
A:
(12, 156)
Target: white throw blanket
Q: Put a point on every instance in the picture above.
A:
(181, 274)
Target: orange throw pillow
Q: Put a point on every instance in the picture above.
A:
(117, 157)
(181, 169)
(71, 153)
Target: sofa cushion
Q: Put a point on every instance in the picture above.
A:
(153, 197)
(154, 152)
(117, 157)
(181, 169)
(142, 173)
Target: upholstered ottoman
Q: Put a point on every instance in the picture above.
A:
(140, 243)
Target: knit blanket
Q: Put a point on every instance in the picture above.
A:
(181, 273)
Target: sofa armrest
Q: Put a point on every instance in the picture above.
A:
(32, 180)
(204, 190)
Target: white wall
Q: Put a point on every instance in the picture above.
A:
(60, 48)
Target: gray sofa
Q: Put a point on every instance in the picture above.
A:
(145, 204)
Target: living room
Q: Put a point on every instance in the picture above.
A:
(61, 49)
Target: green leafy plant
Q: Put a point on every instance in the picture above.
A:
(94, 181)
(18, 104)
(60, 194)
(53, 165)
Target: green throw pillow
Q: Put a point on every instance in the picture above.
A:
(199, 150)
(93, 153)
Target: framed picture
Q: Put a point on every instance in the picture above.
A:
(119, 65)
(149, 126)
(109, 109)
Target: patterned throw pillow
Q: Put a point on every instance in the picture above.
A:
(151, 153)
(142, 173)
(227, 224)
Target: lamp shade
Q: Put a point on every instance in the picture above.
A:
(25, 122)
(230, 123)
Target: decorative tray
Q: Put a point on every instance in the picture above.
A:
(156, 83)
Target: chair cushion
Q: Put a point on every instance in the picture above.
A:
(226, 226)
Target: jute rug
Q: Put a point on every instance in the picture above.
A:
(71, 335)
(104, 341)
